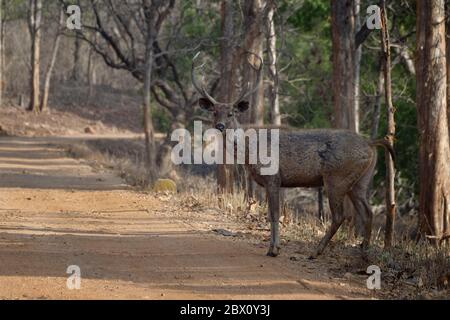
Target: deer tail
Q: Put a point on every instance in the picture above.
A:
(386, 145)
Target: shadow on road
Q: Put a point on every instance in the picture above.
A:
(36, 163)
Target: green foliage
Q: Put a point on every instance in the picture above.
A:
(14, 9)
(161, 119)
(305, 57)
(402, 25)
(312, 15)
(306, 96)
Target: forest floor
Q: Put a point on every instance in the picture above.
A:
(71, 193)
(56, 211)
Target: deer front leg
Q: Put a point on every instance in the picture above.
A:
(273, 193)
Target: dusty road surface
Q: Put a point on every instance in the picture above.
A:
(56, 211)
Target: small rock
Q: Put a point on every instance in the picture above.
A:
(3, 132)
(224, 232)
(165, 185)
(347, 275)
(89, 130)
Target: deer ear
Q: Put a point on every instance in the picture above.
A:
(242, 106)
(205, 104)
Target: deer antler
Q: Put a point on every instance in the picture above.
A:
(200, 88)
(245, 92)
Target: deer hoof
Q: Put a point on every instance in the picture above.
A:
(273, 252)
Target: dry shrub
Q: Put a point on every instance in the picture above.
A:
(416, 270)
(133, 172)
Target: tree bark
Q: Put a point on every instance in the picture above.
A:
(76, 60)
(344, 56)
(91, 74)
(75, 76)
(434, 153)
(164, 161)
(253, 43)
(1, 53)
(51, 64)
(271, 39)
(344, 79)
(147, 110)
(390, 169)
(378, 98)
(447, 32)
(35, 16)
(228, 71)
(403, 52)
(358, 56)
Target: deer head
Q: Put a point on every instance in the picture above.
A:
(225, 112)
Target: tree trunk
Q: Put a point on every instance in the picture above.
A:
(147, 112)
(344, 56)
(91, 72)
(35, 16)
(390, 169)
(75, 76)
(344, 74)
(164, 161)
(253, 43)
(403, 52)
(228, 68)
(51, 64)
(76, 60)
(271, 38)
(376, 112)
(358, 56)
(447, 31)
(378, 98)
(1, 53)
(434, 153)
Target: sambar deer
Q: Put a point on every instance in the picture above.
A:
(340, 160)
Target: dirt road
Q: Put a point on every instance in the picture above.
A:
(56, 211)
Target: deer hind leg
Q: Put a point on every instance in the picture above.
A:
(359, 196)
(273, 194)
(336, 201)
(364, 211)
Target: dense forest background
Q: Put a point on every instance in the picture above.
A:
(304, 46)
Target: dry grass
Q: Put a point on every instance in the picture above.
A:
(416, 270)
(132, 171)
